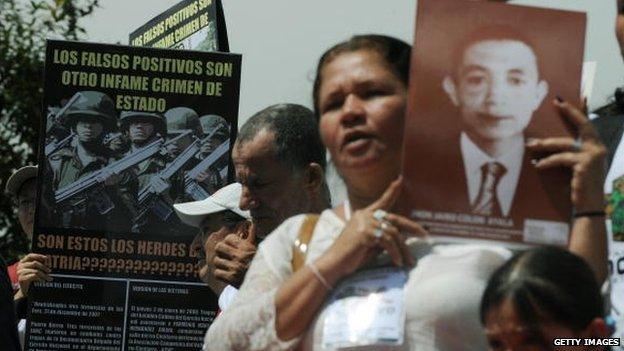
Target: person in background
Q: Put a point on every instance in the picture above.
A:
(279, 161)
(540, 295)
(610, 126)
(22, 187)
(217, 217)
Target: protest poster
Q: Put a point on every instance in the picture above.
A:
(483, 80)
(128, 132)
(188, 25)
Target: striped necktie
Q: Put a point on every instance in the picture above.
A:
(487, 203)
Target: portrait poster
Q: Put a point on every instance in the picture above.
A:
(483, 80)
(188, 25)
(128, 132)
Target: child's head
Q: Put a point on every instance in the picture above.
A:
(539, 295)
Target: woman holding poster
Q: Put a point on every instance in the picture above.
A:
(365, 282)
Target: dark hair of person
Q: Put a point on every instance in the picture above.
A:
(546, 283)
(297, 136)
(396, 54)
(615, 105)
(487, 33)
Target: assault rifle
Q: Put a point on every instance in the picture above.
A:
(54, 117)
(98, 177)
(150, 196)
(191, 187)
(55, 146)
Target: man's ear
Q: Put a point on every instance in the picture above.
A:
(448, 84)
(540, 94)
(315, 176)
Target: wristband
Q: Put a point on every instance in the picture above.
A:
(589, 214)
(319, 276)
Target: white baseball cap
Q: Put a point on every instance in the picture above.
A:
(226, 198)
(17, 179)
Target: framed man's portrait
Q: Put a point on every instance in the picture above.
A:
(482, 83)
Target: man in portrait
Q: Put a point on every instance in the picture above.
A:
(496, 85)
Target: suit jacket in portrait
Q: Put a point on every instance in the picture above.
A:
(439, 184)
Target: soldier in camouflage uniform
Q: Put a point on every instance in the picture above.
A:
(215, 177)
(179, 120)
(143, 128)
(90, 117)
(155, 217)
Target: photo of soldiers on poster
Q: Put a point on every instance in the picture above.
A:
(129, 132)
(188, 25)
(483, 81)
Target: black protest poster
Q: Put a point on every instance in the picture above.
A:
(129, 131)
(190, 25)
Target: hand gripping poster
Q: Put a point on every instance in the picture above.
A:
(188, 25)
(483, 79)
(128, 132)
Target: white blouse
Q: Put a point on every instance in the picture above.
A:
(443, 292)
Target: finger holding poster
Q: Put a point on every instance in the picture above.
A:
(129, 131)
(482, 85)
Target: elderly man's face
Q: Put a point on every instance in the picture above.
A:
(272, 192)
(497, 89)
(26, 198)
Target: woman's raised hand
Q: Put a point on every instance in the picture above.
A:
(585, 156)
(375, 228)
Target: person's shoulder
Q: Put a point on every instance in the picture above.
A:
(608, 120)
(287, 232)
(609, 127)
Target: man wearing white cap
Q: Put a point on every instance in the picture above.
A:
(222, 224)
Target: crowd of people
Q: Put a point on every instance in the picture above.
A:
(276, 252)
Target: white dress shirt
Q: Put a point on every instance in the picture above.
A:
(474, 158)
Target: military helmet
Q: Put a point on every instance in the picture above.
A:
(179, 118)
(210, 122)
(127, 117)
(92, 104)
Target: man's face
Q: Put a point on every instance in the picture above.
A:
(272, 191)
(214, 229)
(26, 198)
(140, 131)
(497, 89)
(89, 130)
